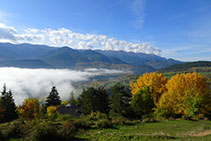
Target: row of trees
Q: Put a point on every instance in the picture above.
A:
(151, 95)
(29, 109)
(185, 95)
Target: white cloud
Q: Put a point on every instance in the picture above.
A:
(66, 37)
(7, 33)
(26, 83)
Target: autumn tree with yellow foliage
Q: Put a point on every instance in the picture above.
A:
(30, 109)
(156, 82)
(188, 95)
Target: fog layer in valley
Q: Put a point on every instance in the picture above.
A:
(26, 83)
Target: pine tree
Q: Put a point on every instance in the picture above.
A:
(8, 104)
(53, 98)
(72, 99)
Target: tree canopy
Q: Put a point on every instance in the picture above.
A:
(7, 106)
(119, 100)
(156, 82)
(53, 98)
(93, 100)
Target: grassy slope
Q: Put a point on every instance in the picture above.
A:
(171, 130)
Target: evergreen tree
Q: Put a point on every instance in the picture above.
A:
(74, 101)
(53, 99)
(8, 104)
(93, 100)
(119, 101)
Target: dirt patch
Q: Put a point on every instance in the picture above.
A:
(200, 134)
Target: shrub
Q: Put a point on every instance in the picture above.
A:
(14, 129)
(64, 116)
(44, 130)
(96, 116)
(103, 123)
(68, 129)
(83, 123)
(52, 111)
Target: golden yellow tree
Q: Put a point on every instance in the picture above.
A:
(188, 94)
(30, 109)
(156, 82)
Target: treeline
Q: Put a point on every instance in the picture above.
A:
(152, 97)
(186, 66)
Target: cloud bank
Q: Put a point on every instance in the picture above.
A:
(26, 83)
(66, 37)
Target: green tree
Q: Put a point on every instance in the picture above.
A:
(8, 104)
(142, 103)
(53, 98)
(93, 100)
(119, 101)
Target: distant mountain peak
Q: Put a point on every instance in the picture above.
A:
(66, 57)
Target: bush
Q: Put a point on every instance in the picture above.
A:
(45, 130)
(67, 130)
(103, 123)
(1, 136)
(123, 120)
(52, 112)
(96, 116)
(13, 129)
(64, 116)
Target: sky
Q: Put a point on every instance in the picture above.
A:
(178, 29)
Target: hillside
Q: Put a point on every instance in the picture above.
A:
(137, 59)
(202, 67)
(189, 66)
(22, 55)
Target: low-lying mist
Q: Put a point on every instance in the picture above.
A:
(26, 83)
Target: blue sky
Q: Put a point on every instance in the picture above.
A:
(179, 29)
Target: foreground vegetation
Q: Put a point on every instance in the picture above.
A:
(66, 128)
(153, 109)
(163, 130)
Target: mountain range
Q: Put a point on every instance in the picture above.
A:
(42, 56)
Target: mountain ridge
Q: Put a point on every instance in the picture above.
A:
(65, 57)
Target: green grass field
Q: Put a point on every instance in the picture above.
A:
(166, 130)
